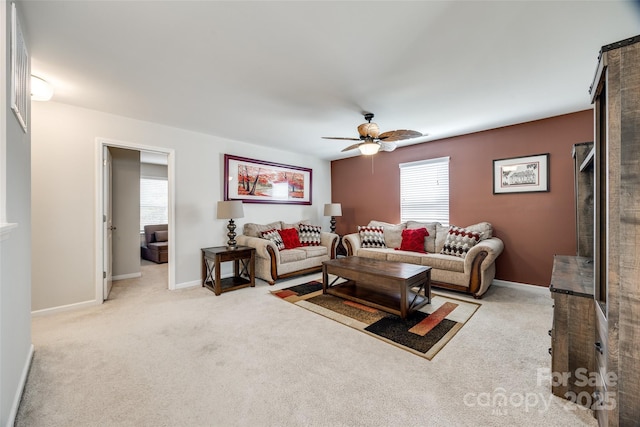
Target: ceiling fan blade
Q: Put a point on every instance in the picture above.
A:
(351, 147)
(341, 138)
(387, 146)
(398, 135)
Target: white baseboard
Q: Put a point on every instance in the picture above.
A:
(191, 284)
(508, 284)
(126, 276)
(68, 307)
(18, 396)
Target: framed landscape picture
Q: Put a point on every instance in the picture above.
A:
(521, 174)
(257, 181)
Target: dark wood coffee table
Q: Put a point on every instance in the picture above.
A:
(395, 287)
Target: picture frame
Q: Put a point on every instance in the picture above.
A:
(20, 80)
(526, 174)
(257, 181)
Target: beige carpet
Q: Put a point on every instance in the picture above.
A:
(152, 357)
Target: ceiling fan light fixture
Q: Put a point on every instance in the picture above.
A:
(369, 148)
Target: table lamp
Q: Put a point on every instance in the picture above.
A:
(333, 210)
(230, 209)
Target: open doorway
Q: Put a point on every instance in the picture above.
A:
(154, 208)
(122, 213)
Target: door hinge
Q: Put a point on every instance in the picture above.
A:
(104, 274)
(104, 218)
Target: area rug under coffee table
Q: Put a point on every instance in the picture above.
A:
(424, 332)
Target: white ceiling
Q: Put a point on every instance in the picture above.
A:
(283, 74)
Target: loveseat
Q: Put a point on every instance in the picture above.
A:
(156, 243)
(461, 258)
(275, 261)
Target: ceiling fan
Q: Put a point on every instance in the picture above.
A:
(372, 141)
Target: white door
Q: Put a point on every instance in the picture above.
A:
(108, 227)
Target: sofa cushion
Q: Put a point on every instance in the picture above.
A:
(375, 253)
(159, 246)
(392, 232)
(274, 236)
(441, 236)
(371, 237)
(413, 240)
(296, 225)
(444, 262)
(459, 241)
(255, 230)
(484, 228)
(292, 255)
(430, 239)
(405, 256)
(309, 234)
(314, 251)
(290, 238)
(162, 235)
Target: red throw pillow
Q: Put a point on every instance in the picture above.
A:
(290, 238)
(413, 240)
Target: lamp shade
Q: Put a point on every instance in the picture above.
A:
(333, 209)
(230, 209)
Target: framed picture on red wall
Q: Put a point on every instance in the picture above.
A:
(521, 174)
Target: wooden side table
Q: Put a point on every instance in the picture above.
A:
(341, 251)
(244, 262)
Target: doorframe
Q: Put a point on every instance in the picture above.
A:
(99, 206)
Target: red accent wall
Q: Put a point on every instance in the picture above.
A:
(533, 226)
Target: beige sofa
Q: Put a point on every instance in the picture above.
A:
(471, 273)
(273, 264)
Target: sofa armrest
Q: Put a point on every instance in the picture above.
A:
(492, 246)
(261, 246)
(351, 243)
(479, 264)
(330, 241)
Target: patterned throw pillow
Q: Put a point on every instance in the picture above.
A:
(274, 236)
(413, 240)
(309, 234)
(459, 240)
(371, 237)
(290, 238)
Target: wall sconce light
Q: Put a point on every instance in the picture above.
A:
(230, 209)
(41, 90)
(333, 210)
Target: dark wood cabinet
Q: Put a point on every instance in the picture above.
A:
(572, 284)
(583, 155)
(572, 356)
(616, 97)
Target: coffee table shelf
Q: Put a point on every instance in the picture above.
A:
(372, 297)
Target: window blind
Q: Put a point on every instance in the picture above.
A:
(424, 191)
(154, 201)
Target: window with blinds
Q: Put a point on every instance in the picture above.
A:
(424, 191)
(154, 201)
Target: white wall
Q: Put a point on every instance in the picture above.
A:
(63, 195)
(15, 245)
